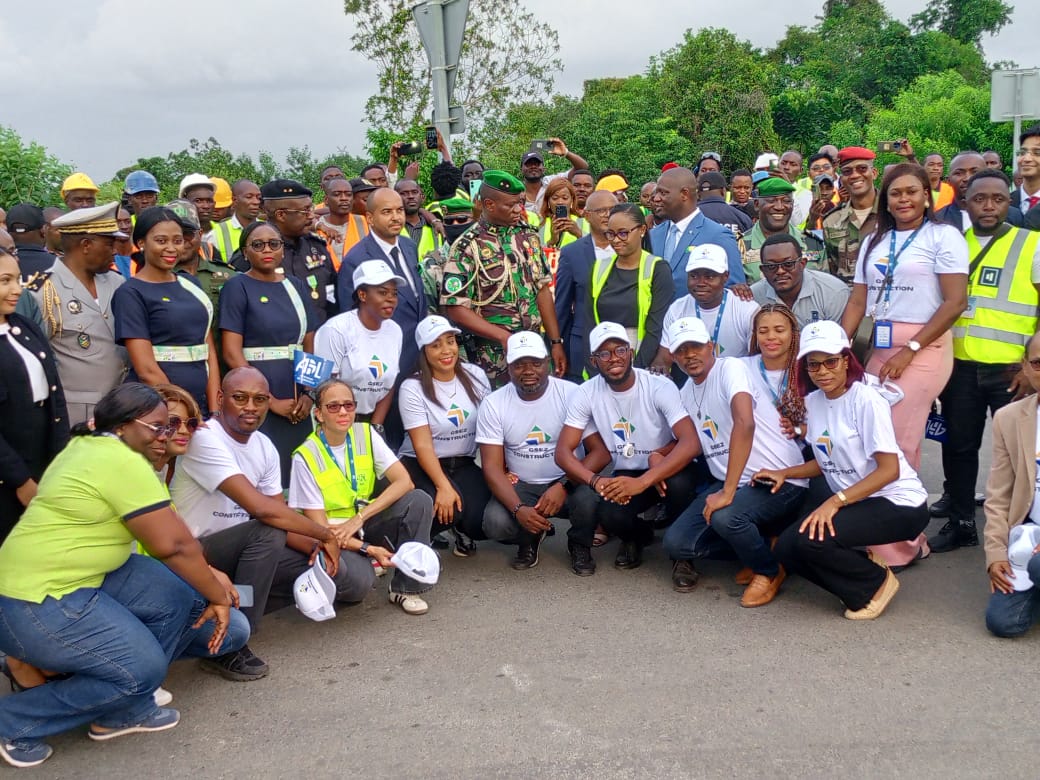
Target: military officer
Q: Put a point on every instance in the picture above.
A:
(496, 280)
(202, 260)
(74, 300)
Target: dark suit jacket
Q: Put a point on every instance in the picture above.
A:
(701, 230)
(951, 215)
(16, 405)
(411, 308)
(573, 278)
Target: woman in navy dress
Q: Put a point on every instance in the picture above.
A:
(163, 319)
(265, 316)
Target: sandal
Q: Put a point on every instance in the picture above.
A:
(600, 538)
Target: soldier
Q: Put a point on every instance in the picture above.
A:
(496, 280)
(75, 303)
(200, 259)
(458, 218)
(844, 227)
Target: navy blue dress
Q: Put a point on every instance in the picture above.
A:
(264, 315)
(167, 315)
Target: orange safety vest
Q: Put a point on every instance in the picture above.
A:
(357, 228)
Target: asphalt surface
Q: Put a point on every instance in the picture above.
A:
(544, 674)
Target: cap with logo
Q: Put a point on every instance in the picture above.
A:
(503, 182)
(456, 206)
(374, 273)
(822, 336)
(774, 185)
(95, 221)
(23, 217)
(525, 344)
(277, 189)
(193, 180)
(221, 192)
(418, 561)
(78, 181)
(687, 330)
(186, 213)
(362, 185)
(711, 180)
(528, 156)
(711, 257)
(140, 181)
(431, 329)
(606, 331)
(315, 592)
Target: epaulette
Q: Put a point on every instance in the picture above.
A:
(461, 244)
(37, 280)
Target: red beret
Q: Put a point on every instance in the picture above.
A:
(668, 166)
(855, 153)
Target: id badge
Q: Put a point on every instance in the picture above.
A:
(882, 334)
(969, 313)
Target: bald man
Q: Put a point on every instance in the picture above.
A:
(685, 226)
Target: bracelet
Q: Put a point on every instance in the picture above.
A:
(515, 509)
(842, 498)
(592, 481)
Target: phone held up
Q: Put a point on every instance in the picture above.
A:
(561, 212)
(890, 146)
(431, 137)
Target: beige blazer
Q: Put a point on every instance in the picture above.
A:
(1012, 475)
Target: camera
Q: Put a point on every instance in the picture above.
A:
(890, 146)
(409, 148)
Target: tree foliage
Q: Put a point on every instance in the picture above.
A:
(964, 20)
(28, 172)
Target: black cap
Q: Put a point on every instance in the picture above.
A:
(24, 217)
(711, 180)
(362, 185)
(284, 188)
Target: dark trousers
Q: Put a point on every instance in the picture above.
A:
(248, 553)
(579, 508)
(468, 480)
(973, 389)
(839, 563)
(623, 521)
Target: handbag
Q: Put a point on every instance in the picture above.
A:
(863, 340)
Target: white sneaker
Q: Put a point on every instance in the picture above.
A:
(410, 603)
(162, 697)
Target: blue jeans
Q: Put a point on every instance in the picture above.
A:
(116, 641)
(1012, 614)
(739, 528)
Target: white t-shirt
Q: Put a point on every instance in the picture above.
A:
(937, 249)
(368, 360)
(452, 420)
(304, 492)
(845, 434)
(643, 415)
(732, 336)
(527, 431)
(212, 457)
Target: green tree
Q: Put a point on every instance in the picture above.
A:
(508, 55)
(964, 20)
(28, 172)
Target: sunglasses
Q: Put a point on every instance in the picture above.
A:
(274, 244)
(610, 235)
(769, 268)
(464, 219)
(619, 352)
(241, 399)
(160, 431)
(176, 423)
(335, 407)
(830, 364)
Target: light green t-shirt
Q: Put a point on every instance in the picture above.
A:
(74, 532)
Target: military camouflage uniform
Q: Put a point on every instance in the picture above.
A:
(213, 274)
(497, 271)
(843, 236)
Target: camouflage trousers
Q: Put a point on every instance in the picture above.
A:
(491, 357)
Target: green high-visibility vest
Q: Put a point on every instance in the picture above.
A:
(601, 270)
(336, 488)
(428, 239)
(226, 237)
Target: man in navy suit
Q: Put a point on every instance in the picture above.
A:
(385, 242)
(573, 276)
(686, 226)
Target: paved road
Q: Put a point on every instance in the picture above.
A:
(543, 674)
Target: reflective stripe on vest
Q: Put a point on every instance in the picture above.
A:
(335, 487)
(192, 353)
(428, 239)
(566, 238)
(601, 270)
(254, 354)
(225, 237)
(1005, 301)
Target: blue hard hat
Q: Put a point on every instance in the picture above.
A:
(140, 181)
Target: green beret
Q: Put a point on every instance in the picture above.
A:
(456, 206)
(774, 186)
(503, 182)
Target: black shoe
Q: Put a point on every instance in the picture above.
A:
(527, 555)
(941, 508)
(240, 666)
(953, 535)
(465, 547)
(630, 556)
(441, 541)
(581, 559)
(684, 576)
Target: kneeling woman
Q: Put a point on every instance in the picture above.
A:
(75, 600)
(334, 474)
(877, 498)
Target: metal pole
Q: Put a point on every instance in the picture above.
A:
(1018, 120)
(439, 71)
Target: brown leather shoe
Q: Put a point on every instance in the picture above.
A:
(684, 576)
(762, 589)
(744, 576)
(881, 599)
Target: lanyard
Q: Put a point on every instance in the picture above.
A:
(350, 458)
(893, 259)
(718, 319)
(765, 378)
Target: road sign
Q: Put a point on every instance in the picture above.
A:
(1014, 95)
(442, 25)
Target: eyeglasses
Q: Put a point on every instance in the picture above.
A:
(605, 210)
(274, 244)
(307, 211)
(618, 352)
(160, 431)
(176, 423)
(1029, 151)
(830, 363)
(770, 268)
(463, 219)
(820, 168)
(862, 170)
(241, 399)
(622, 234)
(335, 407)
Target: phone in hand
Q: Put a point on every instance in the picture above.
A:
(890, 146)
(539, 145)
(764, 482)
(562, 212)
(245, 595)
(431, 137)
(474, 188)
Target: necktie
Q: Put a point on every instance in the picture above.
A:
(395, 256)
(670, 241)
(1032, 200)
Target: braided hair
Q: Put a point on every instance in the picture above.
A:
(790, 404)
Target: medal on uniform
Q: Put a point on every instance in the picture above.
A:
(83, 340)
(313, 282)
(75, 306)
(629, 450)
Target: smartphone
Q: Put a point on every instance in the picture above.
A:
(764, 482)
(474, 188)
(816, 194)
(245, 595)
(890, 146)
(540, 145)
(431, 137)
(410, 148)
(562, 212)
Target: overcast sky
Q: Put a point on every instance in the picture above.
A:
(103, 82)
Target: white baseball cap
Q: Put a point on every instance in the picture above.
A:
(418, 561)
(315, 592)
(822, 336)
(710, 256)
(606, 331)
(766, 159)
(525, 344)
(375, 272)
(687, 330)
(195, 180)
(432, 328)
(1021, 542)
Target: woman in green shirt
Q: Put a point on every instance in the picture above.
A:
(76, 601)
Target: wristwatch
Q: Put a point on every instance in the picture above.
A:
(363, 549)
(555, 341)
(913, 346)
(565, 483)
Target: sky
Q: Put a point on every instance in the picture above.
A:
(103, 82)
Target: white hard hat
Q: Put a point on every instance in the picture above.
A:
(315, 592)
(418, 561)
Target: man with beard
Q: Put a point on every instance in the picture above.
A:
(962, 168)
(416, 226)
(532, 169)
(652, 444)
(517, 429)
(846, 226)
(810, 295)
